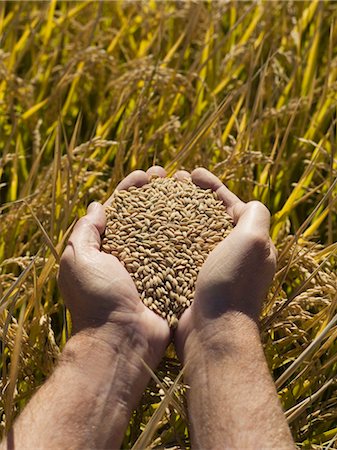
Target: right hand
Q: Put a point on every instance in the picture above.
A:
(237, 274)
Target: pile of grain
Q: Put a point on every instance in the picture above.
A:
(162, 233)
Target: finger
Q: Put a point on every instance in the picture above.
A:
(182, 175)
(87, 231)
(136, 178)
(207, 180)
(253, 218)
(157, 171)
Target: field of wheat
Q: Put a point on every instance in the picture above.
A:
(90, 91)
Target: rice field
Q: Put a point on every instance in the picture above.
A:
(90, 91)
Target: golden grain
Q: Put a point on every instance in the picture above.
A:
(163, 232)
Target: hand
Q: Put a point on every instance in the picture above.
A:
(100, 376)
(236, 275)
(98, 290)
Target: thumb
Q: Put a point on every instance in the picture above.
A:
(252, 218)
(87, 231)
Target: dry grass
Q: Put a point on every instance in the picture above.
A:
(90, 91)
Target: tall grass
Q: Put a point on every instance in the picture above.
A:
(92, 90)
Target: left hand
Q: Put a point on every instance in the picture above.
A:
(100, 293)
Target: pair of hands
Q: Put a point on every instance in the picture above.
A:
(103, 298)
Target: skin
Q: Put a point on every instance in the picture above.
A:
(87, 401)
(232, 400)
(101, 374)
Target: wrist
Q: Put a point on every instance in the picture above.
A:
(121, 337)
(104, 345)
(230, 335)
(88, 352)
(93, 391)
(115, 371)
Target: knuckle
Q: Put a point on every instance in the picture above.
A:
(258, 207)
(257, 242)
(67, 257)
(66, 262)
(83, 221)
(236, 210)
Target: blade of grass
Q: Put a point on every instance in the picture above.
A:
(145, 438)
(297, 410)
(307, 353)
(14, 370)
(48, 240)
(309, 218)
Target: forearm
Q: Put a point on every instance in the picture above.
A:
(88, 400)
(232, 400)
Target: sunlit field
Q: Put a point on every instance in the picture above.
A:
(90, 91)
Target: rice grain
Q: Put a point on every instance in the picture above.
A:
(162, 232)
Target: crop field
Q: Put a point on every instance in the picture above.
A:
(90, 91)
